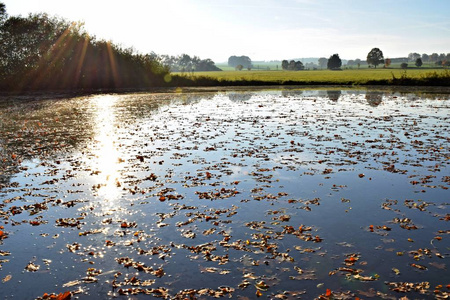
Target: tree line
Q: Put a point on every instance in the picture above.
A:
(433, 58)
(39, 52)
(374, 58)
(332, 63)
(186, 63)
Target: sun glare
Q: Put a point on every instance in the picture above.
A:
(107, 161)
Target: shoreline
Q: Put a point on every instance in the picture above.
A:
(56, 94)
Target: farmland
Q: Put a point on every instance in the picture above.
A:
(349, 76)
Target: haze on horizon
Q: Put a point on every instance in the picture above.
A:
(260, 29)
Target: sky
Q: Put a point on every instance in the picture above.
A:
(261, 29)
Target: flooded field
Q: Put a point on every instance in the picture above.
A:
(272, 194)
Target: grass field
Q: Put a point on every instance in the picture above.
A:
(352, 76)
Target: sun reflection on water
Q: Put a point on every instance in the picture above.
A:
(107, 160)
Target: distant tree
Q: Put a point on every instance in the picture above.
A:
(350, 62)
(375, 57)
(239, 67)
(186, 63)
(419, 62)
(311, 66)
(434, 57)
(413, 56)
(322, 62)
(443, 63)
(425, 57)
(295, 65)
(404, 65)
(284, 64)
(234, 61)
(206, 65)
(291, 65)
(387, 62)
(298, 66)
(334, 62)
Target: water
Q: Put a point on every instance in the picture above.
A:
(278, 194)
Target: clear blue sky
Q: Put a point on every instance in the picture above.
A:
(261, 29)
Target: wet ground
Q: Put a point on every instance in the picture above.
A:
(338, 194)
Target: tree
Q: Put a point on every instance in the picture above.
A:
(419, 62)
(40, 52)
(387, 62)
(3, 14)
(292, 65)
(239, 67)
(413, 56)
(375, 57)
(206, 65)
(298, 66)
(245, 61)
(185, 63)
(404, 65)
(425, 57)
(322, 62)
(334, 62)
(434, 57)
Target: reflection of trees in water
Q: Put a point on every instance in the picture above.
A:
(40, 129)
(322, 93)
(240, 97)
(31, 127)
(137, 106)
(291, 93)
(192, 98)
(374, 98)
(424, 94)
(334, 95)
(46, 127)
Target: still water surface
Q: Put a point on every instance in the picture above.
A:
(276, 194)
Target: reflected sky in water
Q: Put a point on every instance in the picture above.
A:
(239, 189)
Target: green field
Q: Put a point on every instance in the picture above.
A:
(351, 76)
